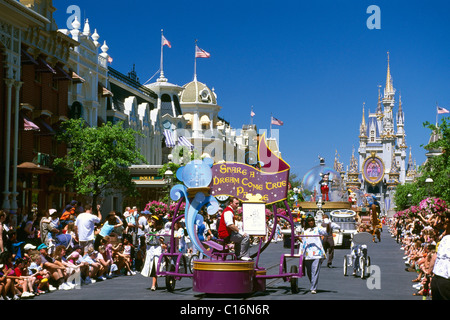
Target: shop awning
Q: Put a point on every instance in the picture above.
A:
(104, 91)
(43, 66)
(183, 141)
(170, 142)
(61, 74)
(45, 128)
(27, 124)
(27, 58)
(30, 167)
(76, 78)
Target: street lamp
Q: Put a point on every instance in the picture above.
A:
(409, 199)
(168, 176)
(296, 190)
(429, 182)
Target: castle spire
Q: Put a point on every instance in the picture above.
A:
(363, 123)
(389, 89)
(363, 127)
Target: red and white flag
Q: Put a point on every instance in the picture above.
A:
(166, 42)
(200, 53)
(110, 59)
(276, 122)
(441, 110)
(252, 114)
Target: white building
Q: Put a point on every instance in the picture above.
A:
(382, 148)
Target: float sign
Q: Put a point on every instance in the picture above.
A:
(239, 179)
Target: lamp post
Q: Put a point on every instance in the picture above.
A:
(296, 191)
(429, 183)
(168, 176)
(409, 199)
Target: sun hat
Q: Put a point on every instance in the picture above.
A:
(29, 246)
(42, 246)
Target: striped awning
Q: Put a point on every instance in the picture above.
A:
(44, 66)
(28, 125)
(170, 142)
(183, 141)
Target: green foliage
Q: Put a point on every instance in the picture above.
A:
(98, 158)
(436, 168)
(401, 198)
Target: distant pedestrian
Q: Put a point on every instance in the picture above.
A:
(328, 241)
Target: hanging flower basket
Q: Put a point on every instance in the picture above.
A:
(156, 207)
(434, 206)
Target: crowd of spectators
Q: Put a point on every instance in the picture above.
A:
(419, 236)
(79, 246)
(51, 250)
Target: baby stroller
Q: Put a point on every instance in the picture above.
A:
(358, 257)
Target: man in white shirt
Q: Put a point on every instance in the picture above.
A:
(142, 223)
(440, 283)
(85, 226)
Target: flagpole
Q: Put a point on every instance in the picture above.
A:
(195, 61)
(161, 66)
(437, 113)
(271, 125)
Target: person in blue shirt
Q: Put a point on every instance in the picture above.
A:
(112, 221)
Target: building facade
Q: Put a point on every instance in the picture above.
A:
(33, 103)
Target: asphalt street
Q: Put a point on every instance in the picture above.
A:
(389, 281)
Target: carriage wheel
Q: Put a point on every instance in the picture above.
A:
(294, 280)
(170, 280)
(191, 261)
(345, 265)
(362, 267)
(184, 265)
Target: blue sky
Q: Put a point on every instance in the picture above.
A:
(311, 64)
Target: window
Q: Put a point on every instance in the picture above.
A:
(166, 105)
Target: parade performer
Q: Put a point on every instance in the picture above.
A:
(155, 246)
(324, 186)
(312, 251)
(327, 241)
(376, 222)
(229, 231)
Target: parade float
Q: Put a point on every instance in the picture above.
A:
(324, 191)
(220, 272)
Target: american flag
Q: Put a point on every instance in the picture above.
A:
(166, 42)
(441, 110)
(200, 53)
(276, 122)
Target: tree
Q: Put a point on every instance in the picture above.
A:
(438, 168)
(99, 158)
(401, 198)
